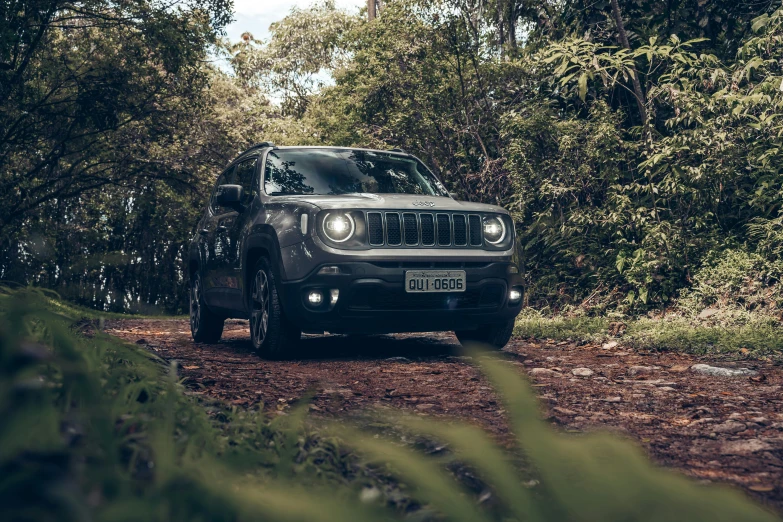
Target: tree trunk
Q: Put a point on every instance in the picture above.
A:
(637, 87)
(371, 10)
(511, 30)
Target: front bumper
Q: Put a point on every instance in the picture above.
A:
(372, 298)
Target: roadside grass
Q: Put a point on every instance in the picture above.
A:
(95, 428)
(757, 336)
(56, 303)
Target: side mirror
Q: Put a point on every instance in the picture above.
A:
(229, 196)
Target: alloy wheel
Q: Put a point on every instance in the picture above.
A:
(195, 306)
(259, 318)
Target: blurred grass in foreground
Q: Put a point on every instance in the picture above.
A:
(94, 428)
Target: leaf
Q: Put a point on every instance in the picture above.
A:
(759, 23)
(583, 86)
(620, 264)
(643, 295)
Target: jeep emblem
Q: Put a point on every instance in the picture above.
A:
(423, 203)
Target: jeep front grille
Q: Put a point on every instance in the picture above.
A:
(442, 229)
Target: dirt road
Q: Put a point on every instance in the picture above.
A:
(710, 428)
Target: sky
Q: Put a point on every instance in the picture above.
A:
(256, 15)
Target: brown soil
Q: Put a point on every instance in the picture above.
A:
(710, 428)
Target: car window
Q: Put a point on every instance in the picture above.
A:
(243, 175)
(346, 171)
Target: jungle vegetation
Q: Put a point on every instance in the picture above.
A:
(636, 142)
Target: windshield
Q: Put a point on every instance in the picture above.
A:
(342, 171)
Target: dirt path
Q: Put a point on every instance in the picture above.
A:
(711, 428)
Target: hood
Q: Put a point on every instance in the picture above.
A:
(392, 202)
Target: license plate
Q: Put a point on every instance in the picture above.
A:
(424, 281)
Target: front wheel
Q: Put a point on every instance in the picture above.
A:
(205, 326)
(495, 335)
(270, 331)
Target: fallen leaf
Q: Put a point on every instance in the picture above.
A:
(761, 488)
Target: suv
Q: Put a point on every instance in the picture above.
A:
(353, 241)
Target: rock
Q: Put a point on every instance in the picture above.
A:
(745, 447)
(398, 359)
(424, 406)
(702, 421)
(729, 427)
(614, 399)
(679, 368)
(610, 345)
(714, 371)
(563, 411)
(369, 495)
(707, 313)
(666, 388)
(544, 372)
(642, 370)
(735, 416)
(582, 372)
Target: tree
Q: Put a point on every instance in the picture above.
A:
(81, 90)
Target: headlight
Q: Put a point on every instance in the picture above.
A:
(494, 230)
(339, 227)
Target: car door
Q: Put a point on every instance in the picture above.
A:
(233, 226)
(224, 271)
(218, 247)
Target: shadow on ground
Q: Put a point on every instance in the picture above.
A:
(331, 347)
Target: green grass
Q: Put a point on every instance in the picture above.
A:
(755, 337)
(94, 428)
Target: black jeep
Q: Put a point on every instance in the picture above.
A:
(351, 241)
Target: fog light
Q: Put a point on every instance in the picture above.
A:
(514, 295)
(330, 270)
(334, 294)
(315, 297)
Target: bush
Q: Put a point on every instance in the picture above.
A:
(735, 282)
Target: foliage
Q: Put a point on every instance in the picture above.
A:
(735, 281)
(530, 105)
(94, 428)
(302, 48)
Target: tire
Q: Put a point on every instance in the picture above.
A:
(205, 325)
(272, 335)
(494, 335)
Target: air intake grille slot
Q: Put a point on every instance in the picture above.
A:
(475, 229)
(424, 229)
(393, 235)
(427, 230)
(375, 228)
(411, 229)
(444, 230)
(460, 230)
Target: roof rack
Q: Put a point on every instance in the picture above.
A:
(259, 145)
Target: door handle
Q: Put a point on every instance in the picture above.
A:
(203, 231)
